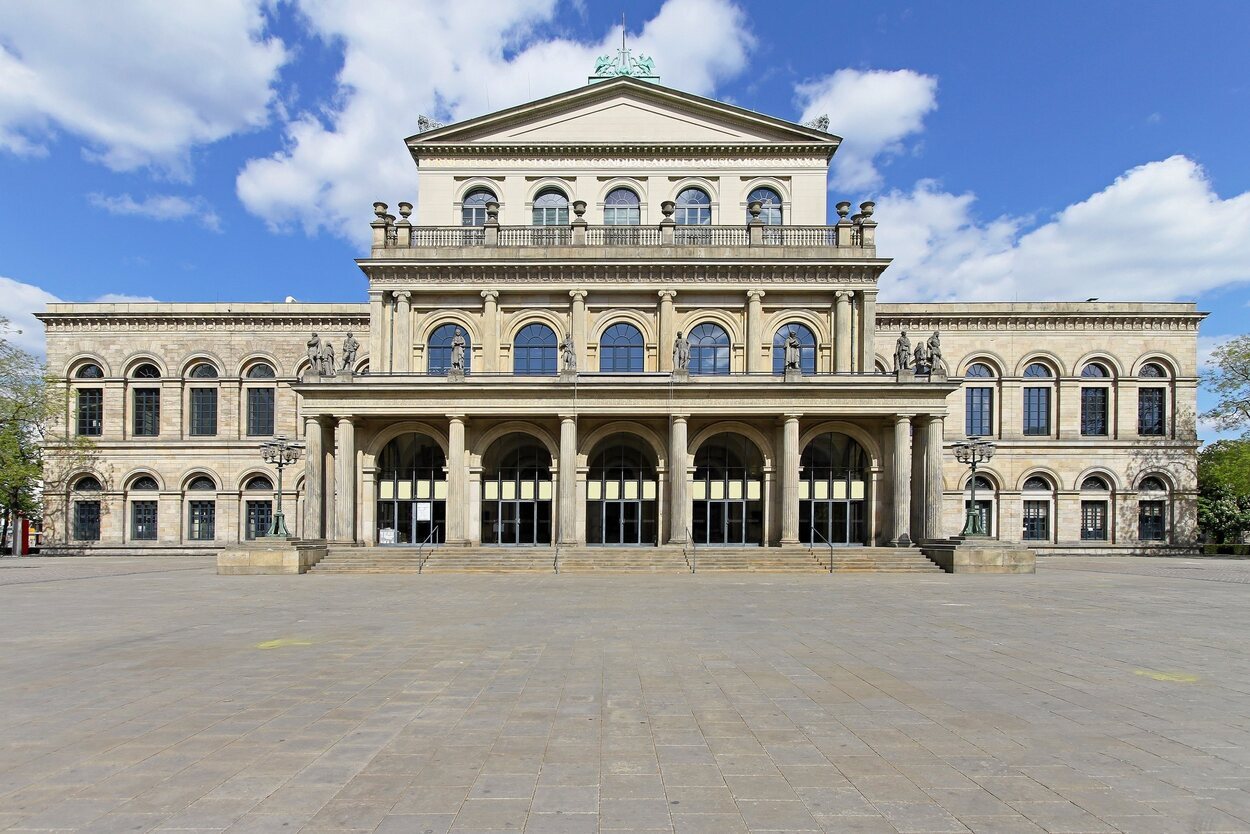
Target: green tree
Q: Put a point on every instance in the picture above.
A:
(1223, 514)
(1230, 381)
(1225, 463)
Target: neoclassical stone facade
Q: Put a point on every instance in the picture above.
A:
(516, 382)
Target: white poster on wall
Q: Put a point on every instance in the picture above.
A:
(425, 511)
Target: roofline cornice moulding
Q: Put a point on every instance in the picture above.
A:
(639, 150)
(88, 320)
(677, 276)
(1040, 320)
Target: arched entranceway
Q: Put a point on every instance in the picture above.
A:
(516, 492)
(727, 492)
(622, 492)
(412, 491)
(833, 491)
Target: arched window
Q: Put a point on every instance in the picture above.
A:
(473, 209)
(201, 482)
(146, 408)
(261, 370)
(144, 482)
(1037, 401)
(1152, 402)
(621, 493)
(986, 502)
(440, 349)
(201, 512)
(622, 208)
(87, 483)
(261, 400)
(203, 370)
(979, 370)
(620, 349)
(726, 492)
(694, 208)
(709, 350)
(979, 401)
(1152, 483)
(90, 371)
(1036, 371)
(1094, 371)
(1038, 495)
(1036, 482)
(1152, 370)
(147, 371)
(551, 208)
(534, 351)
(259, 482)
(1094, 483)
(144, 512)
(833, 491)
(807, 348)
(86, 525)
(412, 491)
(1152, 510)
(1095, 508)
(516, 492)
(1095, 401)
(770, 206)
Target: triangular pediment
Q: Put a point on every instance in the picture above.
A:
(622, 111)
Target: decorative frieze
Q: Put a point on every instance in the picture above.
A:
(1040, 321)
(403, 274)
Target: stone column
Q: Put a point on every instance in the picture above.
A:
(677, 502)
(668, 331)
(403, 332)
(314, 469)
(568, 479)
(899, 535)
(375, 331)
(933, 478)
(842, 332)
(754, 325)
(579, 328)
(867, 331)
(457, 495)
(345, 482)
(490, 330)
(790, 480)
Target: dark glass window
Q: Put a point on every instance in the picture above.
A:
(1094, 411)
(1094, 371)
(439, 362)
(1150, 411)
(709, 350)
(144, 482)
(620, 349)
(87, 521)
(979, 412)
(203, 412)
(259, 482)
(147, 371)
(147, 416)
(261, 370)
(551, 208)
(807, 349)
(90, 371)
(1037, 521)
(622, 208)
(202, 520)
(260, 411)
(473, 210)
(1037, 370)
(90, 411)
(770, 206)
(1094, 520)
(143, 520)
(259, 517)
(534, 351)
(1037, 482)
(979, 370)
(1093, 482)
(88, 483)
(1037, 411)
(694, 208)
(1152, 521)
(1152, 370)
(203, 371)
(1152, 483)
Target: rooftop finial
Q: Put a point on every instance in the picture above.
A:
(624, 64)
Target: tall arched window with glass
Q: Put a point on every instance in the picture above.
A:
(551, 208)
(622, 212)
(1152, 401)
(1037, 401)
(258, 507)
(441, 348)
(1095, 508)
(534, 351)
(709, 350)
(473, 209)
(143, 508)
(978, 401)
(146, 409)
(1038, 500)
(87, 509)
(807, 348)
(694, 209)
(202, 512)
(262, 395)
(620, 349)
(770, 206)
(1095, 401)
(90, 402)
(1152, 509)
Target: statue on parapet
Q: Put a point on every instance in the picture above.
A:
(681, 353)
(920, 361)
(314, 354)
(326, 367)
(457, 352)
(792, 347)
(902, 353)
(934, 345)
(350, 347)
(568, 355)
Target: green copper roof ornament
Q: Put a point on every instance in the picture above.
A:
(624, 64)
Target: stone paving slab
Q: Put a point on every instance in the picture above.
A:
(148, 694)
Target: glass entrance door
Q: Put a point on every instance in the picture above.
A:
(517, 493)
(412, 492)
(832, 491)
(727, 493)
(621, 494)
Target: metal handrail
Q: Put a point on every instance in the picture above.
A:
(422, 556)
(829, 544)
(693, 559)
(555, 563)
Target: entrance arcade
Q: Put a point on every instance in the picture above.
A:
(621, 493)
(412, 491)
(832, 491)
(727, 492)
(516, 492)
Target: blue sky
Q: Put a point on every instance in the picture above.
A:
(229, 151)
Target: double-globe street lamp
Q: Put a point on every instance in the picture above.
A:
(280, 452)
(973, 452)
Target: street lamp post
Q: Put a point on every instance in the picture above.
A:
(973, 452)
(280, 453)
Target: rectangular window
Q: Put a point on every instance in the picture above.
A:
(90, 412)
(203, 412)
(147, 421)
(1094, 411)
(260, 412)
(259, 517)
(1151, 521)
(1150, 411)
(87, 521)
(979, 421)
(143, 520)
(1037, 411)
(203, 519)
(1094, 521)
(1036, 521)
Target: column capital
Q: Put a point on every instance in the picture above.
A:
(899, 419)
(311, 419)
(682, 417)
(402, 295)
(489, 295)
(347, 419)
(755, 295)
(565, 418)
(788, 418)
(577, 295)
(843, 296)
(667, 295)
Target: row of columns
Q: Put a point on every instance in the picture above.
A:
(330, 504)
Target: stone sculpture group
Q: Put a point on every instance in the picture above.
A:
(321, 355)
(926, 358)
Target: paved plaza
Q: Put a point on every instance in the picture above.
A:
(1099, 695)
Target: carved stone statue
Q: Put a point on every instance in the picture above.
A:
(314, 354)
(327, 358)
(935, 353)
(902, 353)
(921, 361)
(350, 346)
(457, 351)
(681, 353)
(792, 350)
(568, 355)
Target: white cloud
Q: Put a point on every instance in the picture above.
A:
(874, 111)
(18, 303)
(122, 298)
(451, 61)
(160, 207)
(141, 82)
(1158, 232)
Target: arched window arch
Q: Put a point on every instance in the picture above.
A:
(770, 205)
(709, 350)
(986, 502)
(979, 370)
(622, 208)
(473, 209)
(1152, 483)
(146, 371)
(86, 526)
(144, 513)
(259, 482)
(551, 208)
(203, 370)
(1037, 370)
(694, 208)
(1152, 370)
(1095, 508)
(1037, 482)
(1038, 508)
(201, 482)
(1038, 400)
(90, 370)
(620, 349)
(807, 348)
(1094, 483)
(441, 349)
(1095, 370)
(261, 370)
(144, 482)
(87, 483)
(534, 351)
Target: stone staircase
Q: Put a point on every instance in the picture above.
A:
(634, 560)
